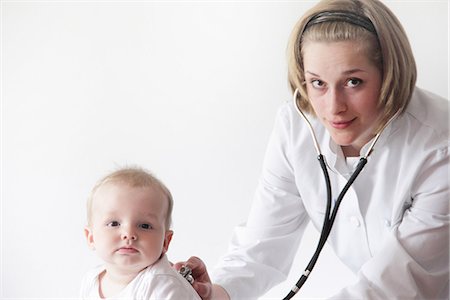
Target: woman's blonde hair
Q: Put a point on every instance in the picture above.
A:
(388, 47)
(134, 177)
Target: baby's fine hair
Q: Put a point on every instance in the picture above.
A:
(133, 177)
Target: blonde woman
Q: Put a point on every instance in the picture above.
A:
(352, 73)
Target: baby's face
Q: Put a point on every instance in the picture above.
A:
(128, 226)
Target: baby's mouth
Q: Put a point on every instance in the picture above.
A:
(127, 250)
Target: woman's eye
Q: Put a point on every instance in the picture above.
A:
(145, 226)
(317, 83)
(353, 82)
(113, 224)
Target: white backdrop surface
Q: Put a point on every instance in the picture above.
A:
(188, 90)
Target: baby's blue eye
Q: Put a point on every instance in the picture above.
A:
(145, 226)
(113, 224)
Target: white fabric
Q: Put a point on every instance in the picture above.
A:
(392, 228)
(157, 282)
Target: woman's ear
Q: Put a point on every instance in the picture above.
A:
(89, 237)
(167, 239)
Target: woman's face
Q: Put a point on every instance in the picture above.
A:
(343, 86)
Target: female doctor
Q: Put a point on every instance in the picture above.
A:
(353, 67)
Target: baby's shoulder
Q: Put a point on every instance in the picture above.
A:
(161, 281)
(89, 283)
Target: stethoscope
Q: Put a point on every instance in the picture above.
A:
(330, 215)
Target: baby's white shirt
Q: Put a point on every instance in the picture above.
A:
(156, 282)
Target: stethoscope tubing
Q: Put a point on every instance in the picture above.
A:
(330, 215)
(328, 220)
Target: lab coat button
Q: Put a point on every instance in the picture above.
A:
(355, 222)
(387, 223)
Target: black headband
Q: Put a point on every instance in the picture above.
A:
(341, 16)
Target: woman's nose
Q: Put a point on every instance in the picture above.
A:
(336, 101)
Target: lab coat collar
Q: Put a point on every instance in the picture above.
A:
(336, 159)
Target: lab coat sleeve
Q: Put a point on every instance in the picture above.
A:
(414, 260)
(262, 250)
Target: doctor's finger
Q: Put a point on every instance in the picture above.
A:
(204, 290)
(177, 266)
(197, 266)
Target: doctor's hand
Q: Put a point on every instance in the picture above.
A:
(202, 283)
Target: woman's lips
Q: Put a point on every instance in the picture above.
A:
(341, 124)
(127, 250)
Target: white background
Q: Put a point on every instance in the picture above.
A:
(188, 90)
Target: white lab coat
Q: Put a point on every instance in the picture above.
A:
(392, 228)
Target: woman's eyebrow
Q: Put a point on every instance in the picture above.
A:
(311, 73)
(351, 71)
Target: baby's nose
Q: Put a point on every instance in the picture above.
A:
(129, 235)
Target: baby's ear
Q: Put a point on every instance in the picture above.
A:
(167, 239)
(89, 237)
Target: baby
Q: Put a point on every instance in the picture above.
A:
(129, 217)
